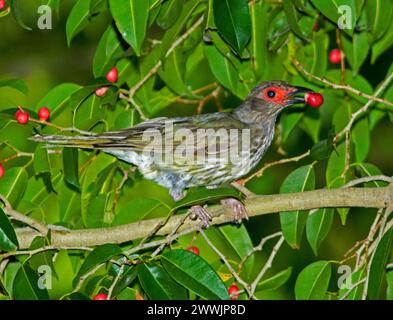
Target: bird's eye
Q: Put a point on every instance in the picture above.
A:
(271, 94)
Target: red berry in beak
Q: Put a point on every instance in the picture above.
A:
(313, 99)
(22, 117)
(233, 289)
(194, 250)
(100, 296)
(335, 56)
(101, 91)
(44, 113)
(1, 170)
(112, 75)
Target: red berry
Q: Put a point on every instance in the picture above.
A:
(335, 56)
(112, 75)
(1, 170)
(193, 249)
(101, 91)
(2, 4)
(100, 296)
(22, 117)
(233, 289)
(314, 99)
(44, 113)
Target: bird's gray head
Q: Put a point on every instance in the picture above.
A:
(276, 95)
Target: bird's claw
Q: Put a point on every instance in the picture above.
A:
(201, 213)
(238, 209)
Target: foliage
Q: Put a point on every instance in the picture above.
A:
(178, 57)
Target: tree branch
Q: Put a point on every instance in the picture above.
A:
(258, 205)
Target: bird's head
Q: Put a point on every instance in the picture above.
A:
(277, 94)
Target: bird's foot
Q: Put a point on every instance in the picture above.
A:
(238, 209)
(201, 213)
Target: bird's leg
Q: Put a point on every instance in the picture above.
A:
(200, 212)
(238, 209)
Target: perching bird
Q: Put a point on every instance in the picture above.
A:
(203, 150)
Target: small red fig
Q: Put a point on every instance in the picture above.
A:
(44, 113)
(335, 56)
(22, 117)
(100, 296)
(101, 91)
(233, 289)
(314, 99)
(194, 250)
(1, 170)
(2, 4)
(112, 75)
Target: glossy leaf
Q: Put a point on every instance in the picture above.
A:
(312, 282)
(13, 185)
(17, 84)
(131, 19)
(99, 255)
(318, 226)
(25, 285)
(70, 166)
(77, 19)
(232, 18)
(8, 239)
(275, 281)
(378, 265)
(293, 223)
(158, 284)
(195, 274)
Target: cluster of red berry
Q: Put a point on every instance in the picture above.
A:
(112, 77)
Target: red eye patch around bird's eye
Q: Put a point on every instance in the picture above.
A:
(274, 95)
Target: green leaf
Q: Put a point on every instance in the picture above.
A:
(361, 139)
(57, 98)
(233, 21)
(195, 274)
(318, 226)
(70, 167)
(25, 285)
(158, 285)
(108, 50)
(41, 160)
(330, 9)
(240, 241)
(288, 122)
(222, 68)
(356, 50)
(169, 12)
(383, 44)
(378, 265)
(292, 223)
(17, 84)
(379, 12)
(99, 255)
(77, 19)
(389, 280)
(275, 281)
(172, 33)
(356, 293)
(8, 239)
(259, 22)
(125, 279)
(293, 19)
(15, 11)
(13, 185)
(131, 19)
(313, 281)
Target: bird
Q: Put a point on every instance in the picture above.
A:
(206, 150)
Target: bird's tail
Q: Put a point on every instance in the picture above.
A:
(85, 142)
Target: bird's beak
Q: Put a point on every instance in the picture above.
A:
(293, 96)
